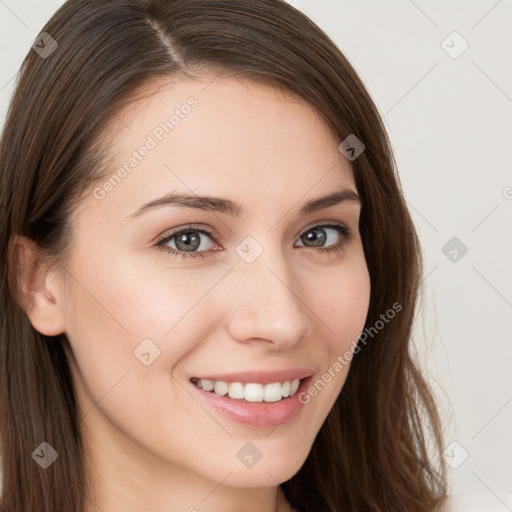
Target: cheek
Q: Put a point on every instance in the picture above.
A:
(125, 303)
(342, 301)
(127, 328)
(342, 304)
(131, 323)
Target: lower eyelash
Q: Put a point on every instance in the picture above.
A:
(184, 255)
(336, 248)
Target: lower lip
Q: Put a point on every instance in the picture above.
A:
(256, 414)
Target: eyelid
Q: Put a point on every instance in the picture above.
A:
(327, 223)
(189, 227)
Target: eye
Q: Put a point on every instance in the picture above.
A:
(329, 237)
(189, 242)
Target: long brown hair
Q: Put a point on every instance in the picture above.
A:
(371, 453)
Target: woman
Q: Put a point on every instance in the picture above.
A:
(209, 272)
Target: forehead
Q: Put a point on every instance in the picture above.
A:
(236, 135)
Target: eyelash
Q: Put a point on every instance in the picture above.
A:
(336, 248)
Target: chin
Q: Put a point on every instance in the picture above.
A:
(269, 470)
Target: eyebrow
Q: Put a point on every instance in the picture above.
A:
(221, 205)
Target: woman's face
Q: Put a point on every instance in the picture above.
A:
(258, 300)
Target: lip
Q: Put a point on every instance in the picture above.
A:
(260, 376)
(255, 414)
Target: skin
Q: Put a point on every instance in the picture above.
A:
(149, 444)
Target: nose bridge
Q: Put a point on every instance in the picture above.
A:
(266, 303)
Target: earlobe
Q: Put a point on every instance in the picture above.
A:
(37, 288)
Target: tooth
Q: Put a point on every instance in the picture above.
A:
(236, 390)
(221, 388)
(254, 392)
(206, 384)
(272, 392)
(294, 385)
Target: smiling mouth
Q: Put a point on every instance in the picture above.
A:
(252, 391)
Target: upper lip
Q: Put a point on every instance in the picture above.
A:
(260, 376)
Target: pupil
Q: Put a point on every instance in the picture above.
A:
(317, 236)
(189, 241)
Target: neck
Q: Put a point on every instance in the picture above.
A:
(125, 478)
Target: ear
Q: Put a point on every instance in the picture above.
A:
(38, 288)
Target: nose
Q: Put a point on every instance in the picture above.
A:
(265, 302)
